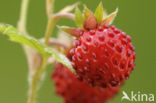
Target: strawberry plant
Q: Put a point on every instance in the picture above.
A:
(91, 63)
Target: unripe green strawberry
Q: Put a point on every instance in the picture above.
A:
(102, 55)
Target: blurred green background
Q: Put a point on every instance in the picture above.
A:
(136, 17)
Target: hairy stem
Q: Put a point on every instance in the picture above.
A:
(55, 42)
(64, 15)
(49, 30)
(36, 78)
(35, 82)
(23, 16)
(49, 7)
(51, 23)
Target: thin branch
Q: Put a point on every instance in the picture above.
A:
(64, 15)
(49, 7)
(69, 8)
(52, 21)
(49, 30)
(55, 42)
(23, 16)
(36, 79)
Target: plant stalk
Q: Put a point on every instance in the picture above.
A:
(36, 78)
(23, 16)
(49, 30)
(35, 82)
(51, 23)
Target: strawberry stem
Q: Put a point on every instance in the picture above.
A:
(55, 42)
(35, 82)
(36, 78)
(49, 30)
(49, 7)
(64, 15)
(38, 68)
(23, 16)
(52, 21)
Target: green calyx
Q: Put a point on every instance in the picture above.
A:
(99, 13)
(89, 20)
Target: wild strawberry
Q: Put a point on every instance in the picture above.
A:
(74, 91)
(102, 55)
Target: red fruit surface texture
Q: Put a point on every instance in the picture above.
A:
(103, 57)
(75, 91)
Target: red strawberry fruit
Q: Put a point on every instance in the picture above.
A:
(102, 55)
(75, 91)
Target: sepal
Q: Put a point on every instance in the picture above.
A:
(104, 13)
(89, 19)
(110, 18)
(99, 13)
(79, 18)
(72, 31)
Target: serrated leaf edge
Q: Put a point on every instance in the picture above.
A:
(34, 43)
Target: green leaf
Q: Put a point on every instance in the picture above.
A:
(60, 57)
(21, 38)
(99, 13)
(79, 18)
